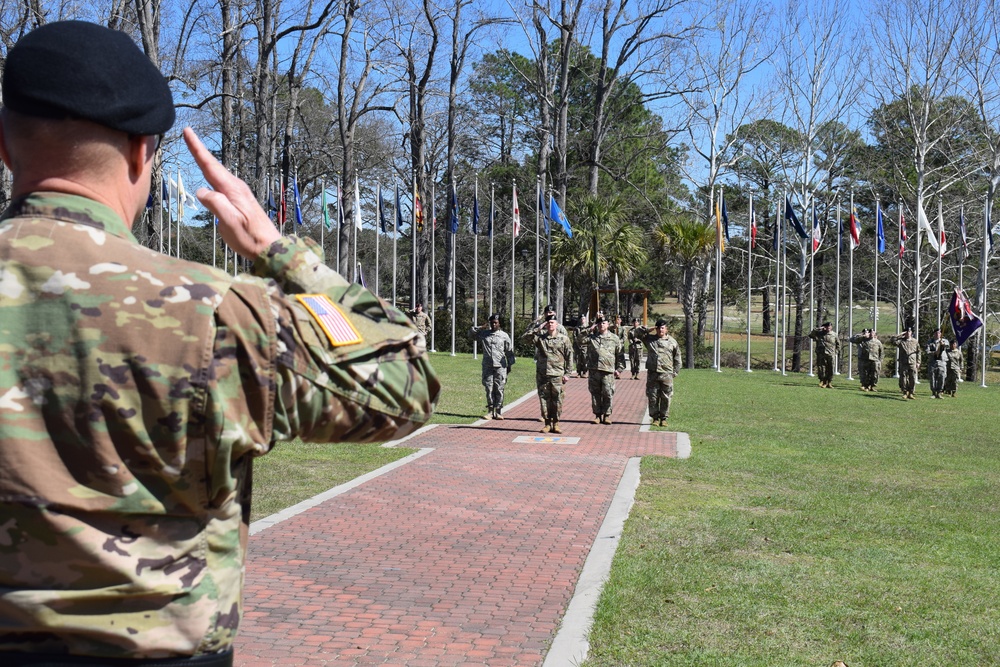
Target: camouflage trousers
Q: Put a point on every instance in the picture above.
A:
(659, 391)
(634, 359)
(868, 372)
(494, 381)
(550, 396)
(824, 368)
(602, 390)
(907, 378)
(939, 371)
(580, 359)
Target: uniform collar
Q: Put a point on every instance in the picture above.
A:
(69, 208)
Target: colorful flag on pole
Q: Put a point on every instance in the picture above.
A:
(902, 233)
(753, 227)
(399, 212)
(453, 211)
(855, 229)
(879, 229)
(383, 225)
(516, 214)
(283, 206)
(963, 321)
(817, 232)
(418, 211)
(924, 225)
(541, 212)
(791, 217)
(340, 208)
(326, 213)
(475, 212)
(942, 241)
(556, 215)
(492, 213)
(357, 203)
(725, 214)
(298, 203)
(720, 238)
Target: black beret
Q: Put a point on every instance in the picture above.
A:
(75, 69)
(551, 318)
(661, 322)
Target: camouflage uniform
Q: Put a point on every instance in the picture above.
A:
(908, 354)
(827, 347)
(422, 321)
(634, 340)
(938, 354)
(869, 359)
(580, 336)
(605, 357)
(496, 346)
(954, 371)
(663, 362)
(553, 361)
(136, 389)
(875, 353)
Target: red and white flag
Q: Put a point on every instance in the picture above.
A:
(516, 214)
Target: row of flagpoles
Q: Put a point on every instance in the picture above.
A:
(964, 321)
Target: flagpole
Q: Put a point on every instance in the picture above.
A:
(395, 236)
(454, 265)
(378, 229)
(180, 211)
(492, 220)
(899, 286)
(433, 259)
(964, 254)
(413, 238)
(163, 186)
(940, 258)
(812, 282)
(836, 288)
(749, 277)
(340, 215)
(850, 290)
(776, 247)
(784, 301)
(538, 247)
(878, 219)
(984, 263)
(475, 268)
(548, 269)
(916, 276)
(717, 338)
(513, 262)
(354, 229)
(322, 226)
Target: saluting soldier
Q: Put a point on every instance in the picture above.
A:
(663, 363)
(954, 369)
(908, 354)
(937, 351)
(605, 362)
(138, 388)
(498, 354)
(553, 361)
(580, 335)
(875, 353)
(827, 347)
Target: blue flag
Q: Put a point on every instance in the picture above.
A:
(725, 214)
(453, 212)
(790, 215)
(399, 212)
(475, 213)
(545, 218)
(295, 192)
(879, 229)
(492, 214)
(963, 321)
(556, 214)
(381, 211)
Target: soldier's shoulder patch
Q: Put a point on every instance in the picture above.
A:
(331, 319)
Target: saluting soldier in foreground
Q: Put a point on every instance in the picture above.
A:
(605, 362)
(908, 354)
(498, 354)
(137, 388)
(938, 356)
(663, 363)
(827, 347)
(553, 361)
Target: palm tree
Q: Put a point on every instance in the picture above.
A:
(619, 244)
(689, 243)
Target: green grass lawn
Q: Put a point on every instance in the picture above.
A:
(809, 526)
(299, 470)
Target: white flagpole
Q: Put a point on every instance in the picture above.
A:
(916, 275)
(395, 236)
(454, 267)
(340, 215)
(475, 271)
(812, 282)
(538, 247)
(836, 288)
(717, 339)
(378, 230)
(985, 261)
(356, 227)
(513, 263)
(749, 277)
(850, 294)
(899, 283)
(940, 259)
(777, 278)
(433, 260)
(492, 220)
(784, 300)
(180, 211)
(413, 250)
(162, 188)
(325, 213)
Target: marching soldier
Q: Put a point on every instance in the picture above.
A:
(937, 351)
(954, 369)
(908, 354)
(422, 321)
(634, 343)
(498, 354)
(553, 360)
(663, 362)
(580, 334)
(827, 347)
(605, 361)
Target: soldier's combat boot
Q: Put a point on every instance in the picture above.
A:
(607, 419)
(498, 415)
(596, 420)
(545, 429)
(555, 427)
(489, 414)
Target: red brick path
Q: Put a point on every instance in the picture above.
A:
(465, 556)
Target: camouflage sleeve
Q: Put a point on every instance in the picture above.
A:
(299, 380)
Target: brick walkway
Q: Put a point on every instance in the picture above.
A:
(467, 555)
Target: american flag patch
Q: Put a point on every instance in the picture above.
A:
(331, 319)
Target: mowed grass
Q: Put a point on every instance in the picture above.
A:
(811, 525)
(298, 470)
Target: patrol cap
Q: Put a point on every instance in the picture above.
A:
(76, 69)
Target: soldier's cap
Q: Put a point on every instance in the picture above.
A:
(551, 318)
(550, 308)
(661, 322)
(599, 319)
(635, 319)
(494, 318)
(827, 324)
(80, 70)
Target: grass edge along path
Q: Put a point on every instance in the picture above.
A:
(811, 525)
